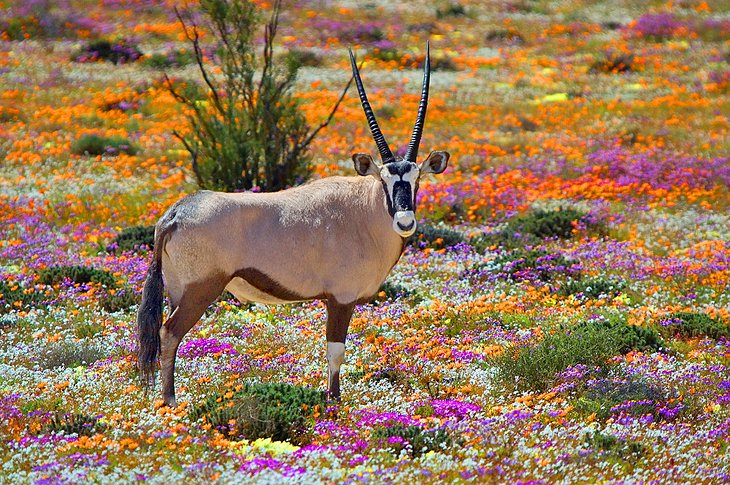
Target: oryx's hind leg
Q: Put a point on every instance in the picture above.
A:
(186, 313)
(338, 320)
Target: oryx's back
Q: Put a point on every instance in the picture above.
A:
(318, 240)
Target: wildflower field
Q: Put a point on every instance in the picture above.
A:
(562, 315)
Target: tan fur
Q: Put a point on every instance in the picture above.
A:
(332, 237)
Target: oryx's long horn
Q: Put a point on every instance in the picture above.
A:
(421, 118)
(383, 147)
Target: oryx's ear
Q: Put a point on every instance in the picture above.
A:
(435, 163)
(365, 165)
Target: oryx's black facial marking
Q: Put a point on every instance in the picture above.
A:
(399, 179)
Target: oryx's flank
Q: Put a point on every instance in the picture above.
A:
(334, 239)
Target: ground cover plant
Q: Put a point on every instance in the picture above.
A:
(563, 315)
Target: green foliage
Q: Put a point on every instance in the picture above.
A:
(299, 58)
(90, 144)
(609, 444)
(691, 325)
(249, 131)
(80, 424)
(70, 355)
(400, 437)
(633, 395)
(119, 300)
(435, 237)
(591, 343)
(591, 288)
(509, 35)
(171, 59)
(614, 62)
(77, 274)
(533, 227)
(133, 239)
(453, 9)
(118, 52)
(282, 412)
(88, 329)
(524, 263)
(631, 337)
(393, 291)
(15, 296)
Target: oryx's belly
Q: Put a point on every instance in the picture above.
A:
(246, 292)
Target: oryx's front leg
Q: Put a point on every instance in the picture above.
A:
(338, 319)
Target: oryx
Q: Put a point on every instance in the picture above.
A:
(334, 239)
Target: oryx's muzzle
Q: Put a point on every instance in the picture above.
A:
(404, 223)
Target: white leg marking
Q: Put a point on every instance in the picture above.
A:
(335, 358)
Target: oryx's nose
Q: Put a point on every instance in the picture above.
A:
(404, 223)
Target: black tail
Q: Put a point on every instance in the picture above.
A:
(149, 316)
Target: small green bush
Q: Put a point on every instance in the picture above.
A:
(435, 237)
(282, 412)
(614, 62)
(591, 343)
(509, 35)
(394, 291)
(90, 144)
(122, 299)
(691, 325)
(453, 9)
(171, 59)
(77, 274)
(524, 263)
(16, 296)
(533, 227)
(133, 239)
(609, 444)
(70, 355)
(412, 438)
(591, 288)
(298, 58)
(119, 52)
(79, 424)
(631, 337)
(634, 396)
(250, 131)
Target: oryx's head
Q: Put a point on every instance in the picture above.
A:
(399, 175)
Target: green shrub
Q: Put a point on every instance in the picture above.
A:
(79, 424)
(412, 438)
(393, 291)
(70, 355)
(249, 131)
(89, 329)
(166, 60)
(614, 62)
(435, 237)
(631, 337)
(90, 144)
(453, 9)
(133, 239)
(524, 263)
(77, 274)
(122, 299)
(609, 444)
(304, 58)
(15, 295)
(591, 343)
(504, 35)
(634, 396)
(533, 227)
(690, 325)
(119, 52)
(591, 288)
(282, 412)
